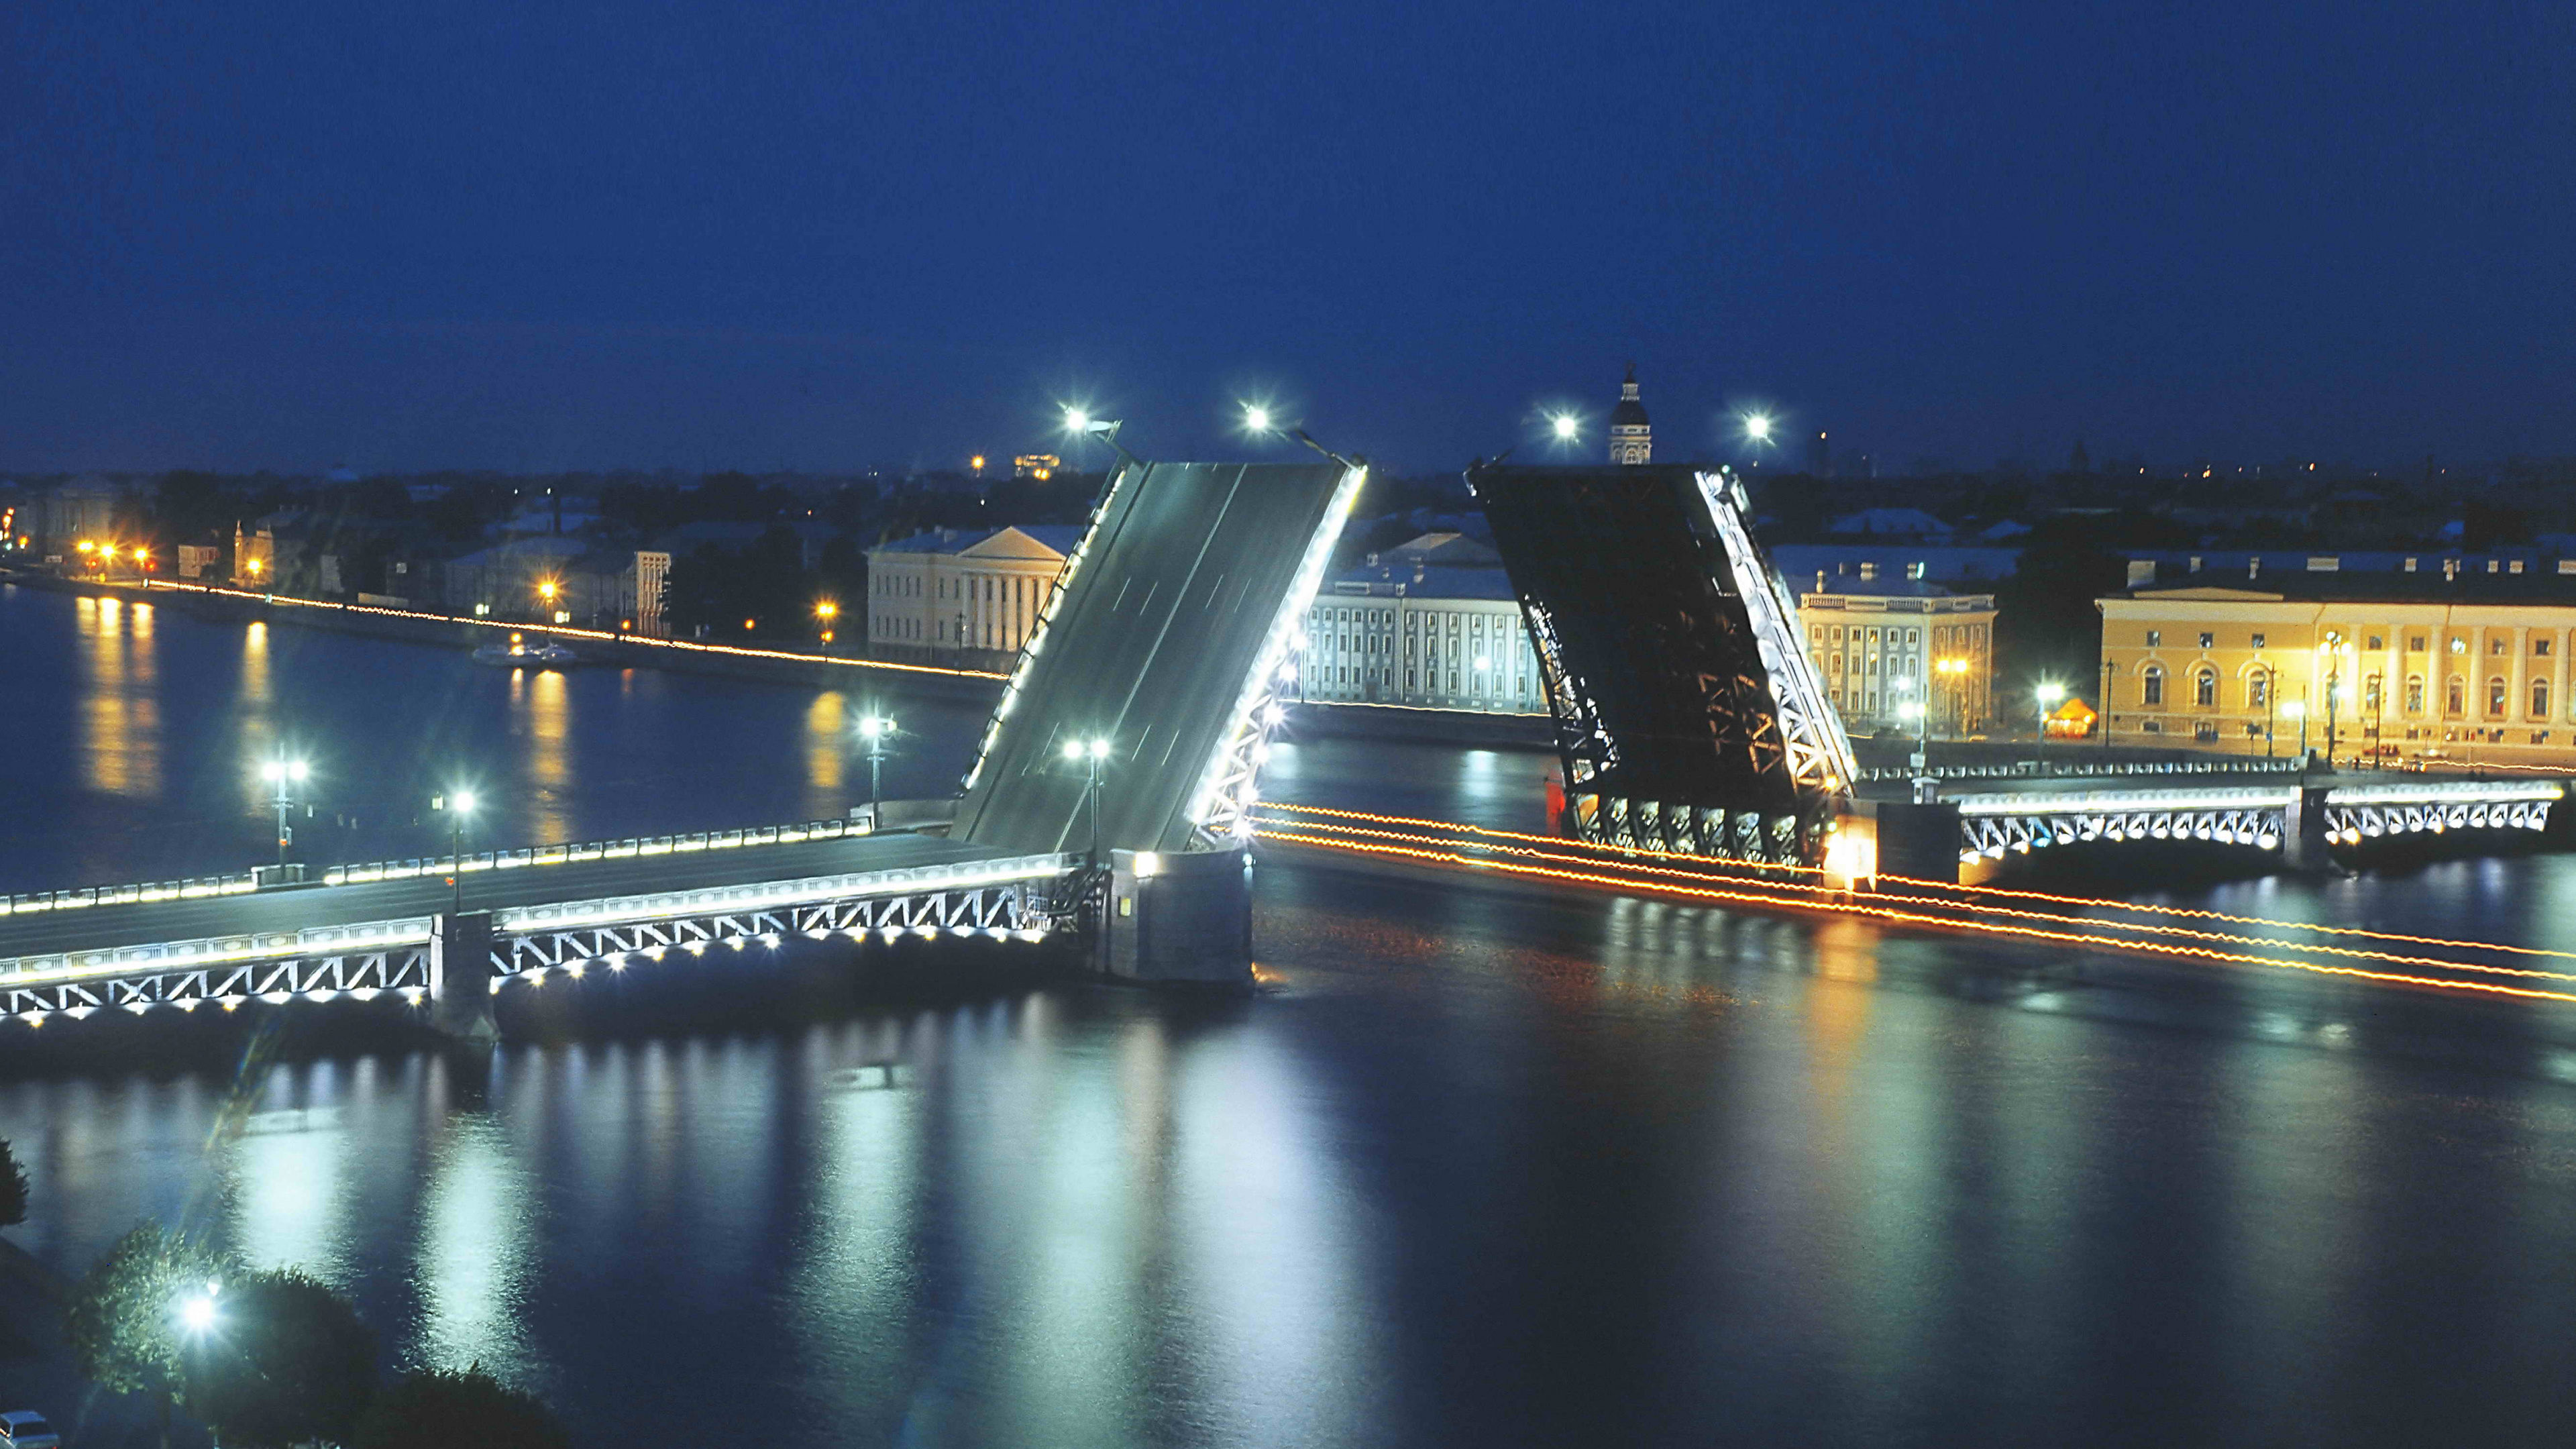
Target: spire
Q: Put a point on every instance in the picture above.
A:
(1631, 438)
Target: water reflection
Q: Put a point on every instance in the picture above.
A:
(826, 752)
(476, 1256)
(120, 706)
(541, 713)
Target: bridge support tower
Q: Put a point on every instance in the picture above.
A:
(2304, 843)
(1179, 917)
(460, 976)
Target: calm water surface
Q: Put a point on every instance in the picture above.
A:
(1475, 1166)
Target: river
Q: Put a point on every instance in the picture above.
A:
(1475, 1165)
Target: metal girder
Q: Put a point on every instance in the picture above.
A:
(363, 975)
(1687, 715)
(1017, 908)
(1994, 836)
(2370, 820)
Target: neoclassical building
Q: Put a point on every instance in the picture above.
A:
(2453, 660)
(967, 595)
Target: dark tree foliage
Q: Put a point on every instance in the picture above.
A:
(13, 1188)
(434, 1410)
(765, 583)
(2046, 623)
(121, 1320)
(288, 1362)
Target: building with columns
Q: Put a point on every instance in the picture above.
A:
(1430, 624)
(1632, 439)
(964, 595)
(2451, 663)
(1881, 643)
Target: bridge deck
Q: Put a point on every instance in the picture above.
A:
(1174, 613)
(302, 908)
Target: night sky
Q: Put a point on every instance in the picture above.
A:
(488, 234)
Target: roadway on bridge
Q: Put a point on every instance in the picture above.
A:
(95, 928)
(1165, 621)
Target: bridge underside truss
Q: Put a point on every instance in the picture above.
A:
(1687, 714)
(403, 970)
(1023, 899)
(1018, 910)
(1995, 836)
(2352, 824)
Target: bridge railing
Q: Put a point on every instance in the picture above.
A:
(244, 882)
(191, 888)
(576, 852)
(2085, 769)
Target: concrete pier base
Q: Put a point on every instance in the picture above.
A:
(2303, 831)
(1919, 840)
(460, 976)
(1179, 918)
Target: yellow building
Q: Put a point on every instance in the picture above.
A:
(2446, 664)
(969, 596)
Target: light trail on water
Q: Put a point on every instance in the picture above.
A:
(1815, 897)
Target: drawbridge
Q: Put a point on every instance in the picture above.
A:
(1687, 715)
(1167, 641)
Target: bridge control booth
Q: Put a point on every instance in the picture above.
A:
(1109, 800)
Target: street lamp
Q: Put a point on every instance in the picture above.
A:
(1757, 427)
(281, 772)
(2048, 693)
(458, 804)
(826, 611)
(1566, 427)
(874, 729)
(1914, 712)
(2297, 709)
(2109, 668)
(1956, 669)
(1257, 420)
(197, 1312)
(1094, 752)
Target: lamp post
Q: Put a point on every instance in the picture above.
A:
(2271, 689)
(1093, 752)
(1917, 714)
(2048, 693)
(281, 772)
(874, 730)
(2109, 667)
(825, 611)
(458, 804)
(2297, 709)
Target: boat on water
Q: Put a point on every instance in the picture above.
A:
(519, 653)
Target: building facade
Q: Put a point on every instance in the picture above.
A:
(964, 594)
(2467, 664)
(1632, 439)
(1882, 644)
(1432, 624)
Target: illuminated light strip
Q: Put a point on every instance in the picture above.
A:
(2105, 902)
(568, 631)
(1938, 922)
(2219, 937)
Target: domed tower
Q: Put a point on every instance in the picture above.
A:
(1631, 440)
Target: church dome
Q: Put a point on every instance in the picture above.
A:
(1630, 413)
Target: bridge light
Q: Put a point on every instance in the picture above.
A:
(1566, 426)
(875, 727)
(1076, 420)
(1100, 749)
(1256, 418)
(461, 801)
(197, 1314)
(1757, 427)
(1073, 749)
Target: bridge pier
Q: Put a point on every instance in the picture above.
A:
(1919, 840)
(2304, 845)
(1178, 917)
(460, 976)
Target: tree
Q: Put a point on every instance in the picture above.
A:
(431, 1409)
(287, 1361)
(122, 1318)
(13, 1189)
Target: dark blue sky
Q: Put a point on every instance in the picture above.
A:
(488, 234)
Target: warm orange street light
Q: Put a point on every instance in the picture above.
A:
(827, 611)
(546, 591)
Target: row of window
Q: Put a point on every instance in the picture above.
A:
(2204, 693)
(2497, 644)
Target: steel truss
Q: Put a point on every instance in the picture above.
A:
(364, 975)
(1221, 810)
(2353, 823)
(1811, 729)
(1024, 909)
(1992, 836)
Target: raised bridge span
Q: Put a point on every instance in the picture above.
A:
(1159, 654)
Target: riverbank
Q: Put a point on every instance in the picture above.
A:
(893, 680)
